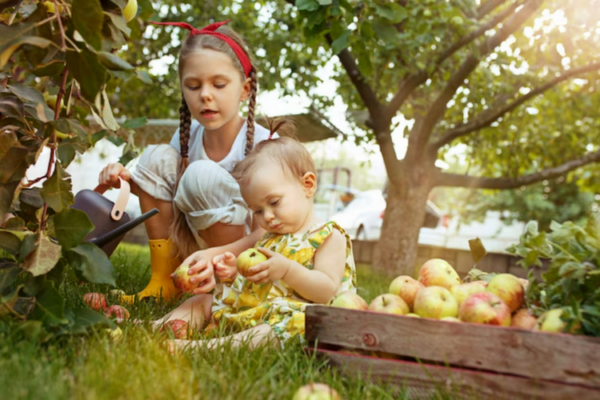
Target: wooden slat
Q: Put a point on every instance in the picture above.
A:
(423, 381)
(555, 357)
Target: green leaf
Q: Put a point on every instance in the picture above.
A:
(56, 191)
(34, 99)
(325, 2)
(340, 43)
(307, 5)
(134, 123)
(99, 136)
(8, 301)
(13, 158)
(143, 76)
(392, 12)
(92, 262)
(9, 242)
(114, 62)
(44, 258)
(88, 71)
(7, 192)
(86, 318)
(364, 64)
(88, 18)
(384, 31)
(8, 276)
(66, 125)
(478, 250)
(71, 227)
(7, 50)
(28, 245)
(119, 22)
(49, 307)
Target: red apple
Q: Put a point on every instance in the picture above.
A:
(349, 299)
(483, 283)
(509, 289)
(389, 303)
(118, 312)
(407, 288)
(523, 319)
(248, 259)
(435, 302)
(437, 272)
(181, 279)
(96, 301)
(177, 327)
(485, 308)
(316, 391)
(464, 290)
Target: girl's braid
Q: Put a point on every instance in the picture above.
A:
(185, 123)
(251, 105)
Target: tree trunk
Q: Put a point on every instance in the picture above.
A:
(396, 251)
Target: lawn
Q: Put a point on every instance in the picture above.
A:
(137, 367)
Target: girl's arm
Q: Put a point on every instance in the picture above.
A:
(319, 284)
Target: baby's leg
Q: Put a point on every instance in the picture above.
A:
(194, 311)
(253, 337)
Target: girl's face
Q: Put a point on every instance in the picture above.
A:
(280, 203)
(212, 88)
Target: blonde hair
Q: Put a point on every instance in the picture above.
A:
(181, 235)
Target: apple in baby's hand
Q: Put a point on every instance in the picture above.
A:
(407, 288)
(435, 302)
(509, 289)
(523, 319)
(96, 301)
(389, 303)
(316, 391)
(485, 308)
(349, 299)
(464, 290)
(118, 312)
(249, 259)
(178, 327)
(437, 272)
(181, 279)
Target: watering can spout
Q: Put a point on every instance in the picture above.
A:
(121, 230)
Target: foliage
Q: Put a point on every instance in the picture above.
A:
(57, 59)
(572, 279)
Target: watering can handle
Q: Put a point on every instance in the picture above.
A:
(119, 207)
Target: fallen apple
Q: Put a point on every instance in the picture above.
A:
(176, 327)
(435, 302)
(181, 279)
(96, 301)
(523, 319)
(437, 272)
(119, 313)
(248, 259)
(485, 308)
(316, 391)
(115, 334)
(407, 288)
(389, 303)
(509, 289)
(349, 299)
(464, 290)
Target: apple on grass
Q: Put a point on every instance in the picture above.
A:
(437, 272)
(96, 301)
(177, 327)
(485, 308)
(464, 290)
(120, 313)
(523, 319)
(435, 302)
(389, 303)
(349, 299)
(248, 259)
(407, 288)
(316, 391)
(509, 289)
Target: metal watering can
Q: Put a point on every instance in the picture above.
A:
(110, 220)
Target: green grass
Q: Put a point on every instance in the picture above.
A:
(137, 367)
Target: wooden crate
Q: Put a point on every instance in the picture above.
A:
(468, 360)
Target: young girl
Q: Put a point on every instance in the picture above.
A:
(193, 172)
(308, 261)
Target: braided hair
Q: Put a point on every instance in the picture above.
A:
(251, 106)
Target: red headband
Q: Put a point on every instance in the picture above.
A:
(211, 30)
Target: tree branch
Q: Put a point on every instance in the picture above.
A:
(466, 181)
(488, 7)
(438, 108)
(490, 116)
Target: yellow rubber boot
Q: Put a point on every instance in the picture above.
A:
(162, 265)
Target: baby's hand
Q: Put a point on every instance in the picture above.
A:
(225, 266)
(271, 270)
(203, 271)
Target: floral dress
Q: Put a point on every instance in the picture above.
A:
(243, 304)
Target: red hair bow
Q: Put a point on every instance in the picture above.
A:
(212, 31)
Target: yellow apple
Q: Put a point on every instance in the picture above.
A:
(130, 10)
(435, 302)
(349, 299)
(450, 319)
(437, 272)
(551, 321)
(509, 289)
(413, 315)
(389, 303)
(248, 259)
(464, 290)
(407, 288)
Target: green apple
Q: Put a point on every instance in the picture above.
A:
(485, 308)
(509, 289)
(407, 288)
(437, 272)
(464, 290)
(130, 10)
(435, 302)
(551, 321)
(389, 303)
(316, 391)
(349, 299)
(181, 279)
(248, 259)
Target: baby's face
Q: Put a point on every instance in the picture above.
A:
(280, 203)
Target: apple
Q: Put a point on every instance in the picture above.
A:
(485, 308)
(464, 290)
(524, 283)
(96, 301)
(523, 319)
(316, 391)
(177, 327)
(389, 303)
(450, 319)
(407, 288)
(249, 259)
(413, 315)
(130, 10)
(349, 299)
(115, 334)
(437, 272)
(117, 293)
(435, 302)
(551, 321)
(509, 289)
(120, 313)
(181, 279)
(484, 283)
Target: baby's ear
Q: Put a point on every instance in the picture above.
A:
(309, 183)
